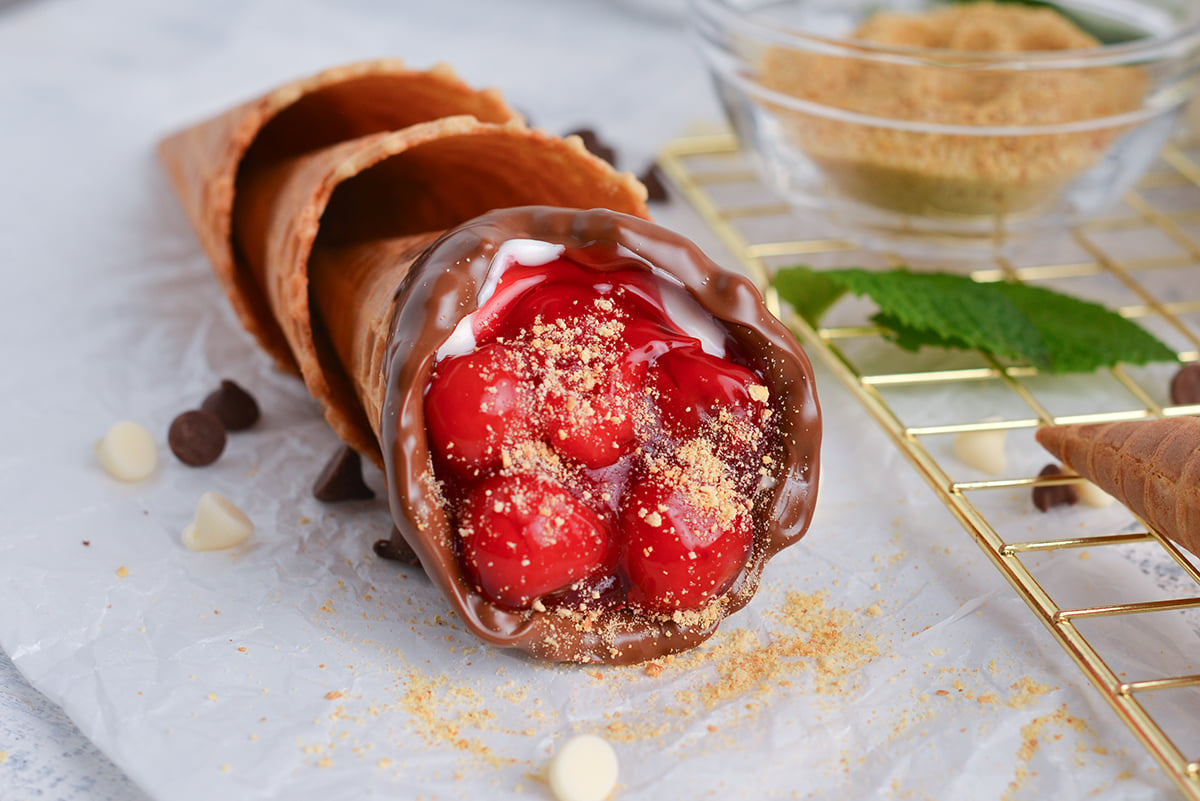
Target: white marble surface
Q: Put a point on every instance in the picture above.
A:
(47, 757)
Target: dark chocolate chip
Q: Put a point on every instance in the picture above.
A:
(1045, 497)
(234, 407)
(196, 437)
(595, 145)
(342, 478)
(1185, 386)
(656, 190)
(396, 549)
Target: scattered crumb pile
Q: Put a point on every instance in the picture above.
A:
(1034, 734)
(922, 173)
(747, 667)
(442, 712)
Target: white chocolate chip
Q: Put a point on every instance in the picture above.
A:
(127, 451)
(218, 524)
(982, 450)
(583, 769)
(1091, 495)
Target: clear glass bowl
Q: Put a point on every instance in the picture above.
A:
(936, 128)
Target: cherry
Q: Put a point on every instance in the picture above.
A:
(525, 537)
(596, 428)
(546, 303)
(563, 290)
(474, 405)
(692, 387)
(648, 338)
(677, 555)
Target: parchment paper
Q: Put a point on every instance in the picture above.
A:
(883, 657)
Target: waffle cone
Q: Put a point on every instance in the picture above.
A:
(1151, 466)
(312, 242)
(209, 162)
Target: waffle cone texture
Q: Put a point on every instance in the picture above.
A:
(1151, 466)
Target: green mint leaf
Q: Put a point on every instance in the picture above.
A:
(922, 308)
(951, 308)
(914, 339)
(1081, 336)
(1010, 321)
(809, 292)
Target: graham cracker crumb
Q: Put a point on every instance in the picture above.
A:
(915, 171)
(812, 639)
(1033, 734)
(440, 710)
(1026, 691)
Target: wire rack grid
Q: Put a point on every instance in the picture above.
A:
(1143, 282)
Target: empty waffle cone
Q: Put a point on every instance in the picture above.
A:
(1151, 466)
(340, 207)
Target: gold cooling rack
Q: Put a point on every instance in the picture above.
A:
(1137, 260)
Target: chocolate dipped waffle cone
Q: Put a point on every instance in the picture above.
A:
(1151, 466)
(357, 261)
(447, 278)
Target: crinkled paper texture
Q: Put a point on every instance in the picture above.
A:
(301, 666)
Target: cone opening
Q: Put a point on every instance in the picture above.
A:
(340, 105)
(365, 105)
(442, 183)
(432, 307)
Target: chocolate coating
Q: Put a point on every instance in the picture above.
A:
(442, 287)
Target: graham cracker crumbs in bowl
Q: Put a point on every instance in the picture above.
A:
(926, 124)
(925, 170)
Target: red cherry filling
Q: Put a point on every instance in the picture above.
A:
(649, 338)
(681, 547)
(595, 425)
(475, 404)
(524, 537)
(587, 424)
(695, 388)
(563, 290)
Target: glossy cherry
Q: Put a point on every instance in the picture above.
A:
(475, 403)
(677, 555)
(564, 290)
(597, 427)
(525, 537)
(692, 387)
(648, 338)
